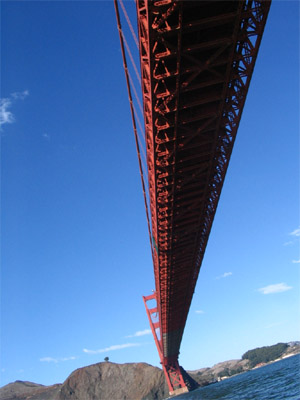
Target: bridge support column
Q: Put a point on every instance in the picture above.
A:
(174, 379)
(171, 369)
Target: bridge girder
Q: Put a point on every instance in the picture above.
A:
(197, 59)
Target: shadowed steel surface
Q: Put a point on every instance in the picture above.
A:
(197, 59)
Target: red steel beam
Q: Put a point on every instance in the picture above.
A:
(197, 59)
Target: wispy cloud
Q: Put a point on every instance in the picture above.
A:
(296, 261)
(48, 359)
(20, 95)
(140, 333)
(199, 312)
(46, 136)
(289, 243)
(273, 325)
(225, 275)
(276, 288)
(57, 360)
(296, 232)
(112, 348)
(6, 116)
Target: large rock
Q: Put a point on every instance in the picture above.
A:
(115, 381)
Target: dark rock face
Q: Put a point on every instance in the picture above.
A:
(115, 381)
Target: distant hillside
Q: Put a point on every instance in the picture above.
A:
(265, 354)
(27, 390)
(138, 381)
(249, 360)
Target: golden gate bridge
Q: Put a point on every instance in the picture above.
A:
(196, 63)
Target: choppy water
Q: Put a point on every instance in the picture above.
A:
(279, 381)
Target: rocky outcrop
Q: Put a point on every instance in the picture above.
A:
(115, 381)
(105, 381)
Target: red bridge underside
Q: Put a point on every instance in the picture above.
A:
(197, 58)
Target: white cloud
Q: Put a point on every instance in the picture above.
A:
(225, 275)
(296, 261)
(57, 360)
(199, 312)
(140, 333)
(111, 348)
(6, 116)
(296, 232)
(276, 288)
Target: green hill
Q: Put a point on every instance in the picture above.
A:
(265, 354)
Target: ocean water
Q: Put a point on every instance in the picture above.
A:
(280, 380)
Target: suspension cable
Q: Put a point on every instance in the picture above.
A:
(133, 120)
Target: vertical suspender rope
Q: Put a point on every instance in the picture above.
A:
(132, 86)
(129, 24)
(130, 56)
(135, 93)
(133, 119)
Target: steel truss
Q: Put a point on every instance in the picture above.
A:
(197, 59)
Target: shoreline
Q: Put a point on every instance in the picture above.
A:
(258, 366)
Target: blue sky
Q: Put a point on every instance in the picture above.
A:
(75, 249)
